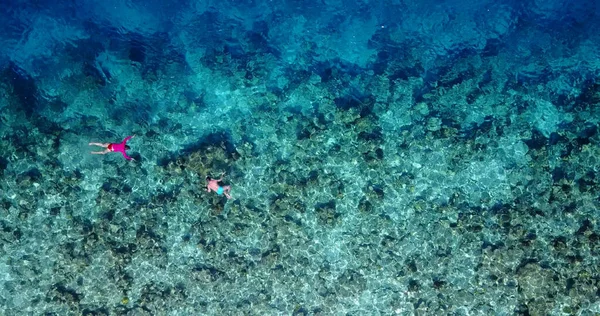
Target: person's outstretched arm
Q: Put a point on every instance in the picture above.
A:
(127, 139)
(221, 178)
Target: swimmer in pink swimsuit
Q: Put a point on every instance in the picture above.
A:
(110, 147)
(213, 185)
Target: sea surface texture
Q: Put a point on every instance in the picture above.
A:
(393, 157)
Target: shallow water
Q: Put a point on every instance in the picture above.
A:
(385, 157)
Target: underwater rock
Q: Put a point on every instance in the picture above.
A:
(3, 165)
(24, 88)
(537, 140)
(137, 52)
(583, 137)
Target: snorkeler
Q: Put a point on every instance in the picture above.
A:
(213, 185)
(110, 147)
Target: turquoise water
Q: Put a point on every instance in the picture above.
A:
(384, 157)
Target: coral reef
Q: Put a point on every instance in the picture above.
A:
(385, 157)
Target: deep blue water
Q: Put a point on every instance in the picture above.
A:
(384, 157)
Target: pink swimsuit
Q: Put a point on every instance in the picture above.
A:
(120, 147)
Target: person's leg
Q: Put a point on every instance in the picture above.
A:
(99, 144)
(101, 152)
(226, 190)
